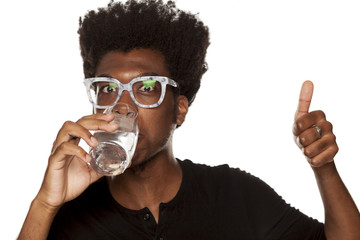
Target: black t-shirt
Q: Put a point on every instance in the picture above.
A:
(212, 203)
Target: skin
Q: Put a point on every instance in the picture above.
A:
(160, 179)
(68, 174)
(342, 218)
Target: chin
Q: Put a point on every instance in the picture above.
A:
(139, 163)
(138, 167)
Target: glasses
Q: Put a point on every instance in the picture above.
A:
(145, 91)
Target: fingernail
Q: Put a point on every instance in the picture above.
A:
(114, 124)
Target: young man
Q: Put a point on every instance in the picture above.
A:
(159, 196)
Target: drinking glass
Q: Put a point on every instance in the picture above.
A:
(115, 150)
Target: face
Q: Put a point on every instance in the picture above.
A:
(156, 125)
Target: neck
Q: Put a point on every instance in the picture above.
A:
(158, 182)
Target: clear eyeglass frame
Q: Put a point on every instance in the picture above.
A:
(128, 87)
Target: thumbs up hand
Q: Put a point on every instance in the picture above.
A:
(312, 132)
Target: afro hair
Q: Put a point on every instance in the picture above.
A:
(180, 36)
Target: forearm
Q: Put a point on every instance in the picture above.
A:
(38, 222)
(342, 218)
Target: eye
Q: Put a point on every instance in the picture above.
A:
(111, 87)
(148, 86)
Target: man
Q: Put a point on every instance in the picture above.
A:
(159, 196)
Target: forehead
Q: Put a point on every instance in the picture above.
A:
(126, 66)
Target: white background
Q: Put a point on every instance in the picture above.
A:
(260, 53)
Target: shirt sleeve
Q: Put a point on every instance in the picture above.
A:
(258, 207)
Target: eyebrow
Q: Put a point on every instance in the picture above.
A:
(140, 75)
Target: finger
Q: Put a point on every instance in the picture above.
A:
(94, 176)
(71, 131)
(311, 135)
(304, 99)
(324, 157)
(319, 146)
(74, 131)
(97, 124)
(307, 121)
(65, 149)
(106, 117)
(307, 137)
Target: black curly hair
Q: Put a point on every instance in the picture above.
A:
(180, 36)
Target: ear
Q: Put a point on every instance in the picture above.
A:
(182, 104)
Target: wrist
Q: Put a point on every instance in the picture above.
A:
(38, 221)
(326, 170)
(44, 207)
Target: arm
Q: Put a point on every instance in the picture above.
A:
(342, 218)
(38, 221)
(67, 175)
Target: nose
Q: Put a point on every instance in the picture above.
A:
(125, 103)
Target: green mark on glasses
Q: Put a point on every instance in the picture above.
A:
(149, 83)
(113, 85)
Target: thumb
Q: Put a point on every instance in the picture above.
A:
(304, 99)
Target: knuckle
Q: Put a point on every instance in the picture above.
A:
(82, 119)
(63, 146)
(332, 138)
(300, 125)
(328, 126)
(329, 139)
(321, 114)
(302, 140)
(68, 148)
(297, 127)
(307, 152)
(315, 162)
(78, 151)
(67, 124)
(335, 148)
